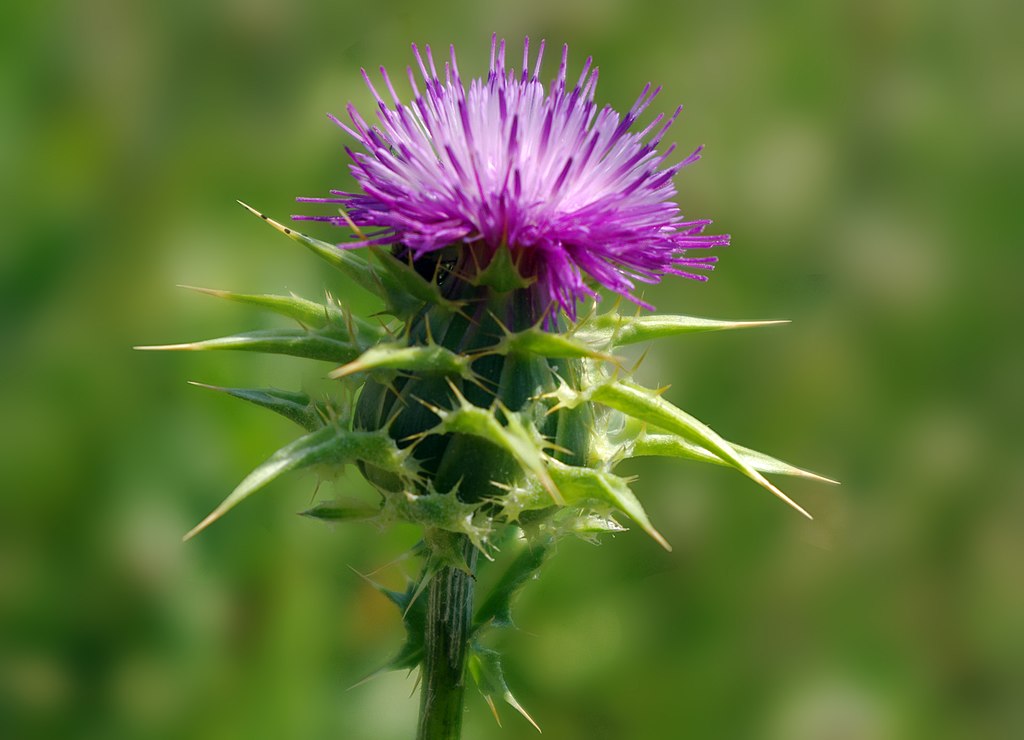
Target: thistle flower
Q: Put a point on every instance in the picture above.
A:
(488, 411)
(571, 190)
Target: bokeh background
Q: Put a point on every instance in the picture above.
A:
(867, 159)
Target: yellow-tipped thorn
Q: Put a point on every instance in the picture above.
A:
(494, 709)
(345, 370)
(557, 407)
(779, 494)
(550, 444)
(414, 439)
(210, 519)
(431, 407)
(364, 577)
(640, 359)
(420, 588)
(519, 708)
(168, 347)
(659, 538)
(207, 386)
(367, 679)
(280, 227)
(480, 382)
(205, 291)
(351, 224)
(463, 401)
(820, 478)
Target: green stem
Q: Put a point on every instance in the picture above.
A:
(449, 621)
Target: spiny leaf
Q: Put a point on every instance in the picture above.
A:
(330, 445)
(351, 263)
(341, 512)
(587, 525)
(535, 341)
(295, 342)
(484, 665)
(402, 283)
(441, 511)
(514, 437)
(647, 405)
(671, 445)
(306, 312)
(497, 609)
(414, 618)
(580, 485)
(586, 520)
(611, 329)
(297, 407)
(501, 273)
(429, 359)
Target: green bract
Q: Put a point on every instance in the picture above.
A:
(474, 418)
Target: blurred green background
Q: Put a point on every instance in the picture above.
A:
(867, 159)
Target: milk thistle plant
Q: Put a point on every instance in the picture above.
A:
(486, 402)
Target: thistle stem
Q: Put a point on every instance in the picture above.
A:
(449, 621)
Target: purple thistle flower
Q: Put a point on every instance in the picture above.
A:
(567, 187)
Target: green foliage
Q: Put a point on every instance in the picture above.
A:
(386, 359)
(414, 618)
(670, 445)
(298, 407)
(612, 329)
(336, 511)
(519, 428)
(496, 609)
(647, 405)
(535, 341)
(330, 448)
(352, 264)
(484, 666)
(328, 345)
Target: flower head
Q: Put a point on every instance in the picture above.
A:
(570, 189)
